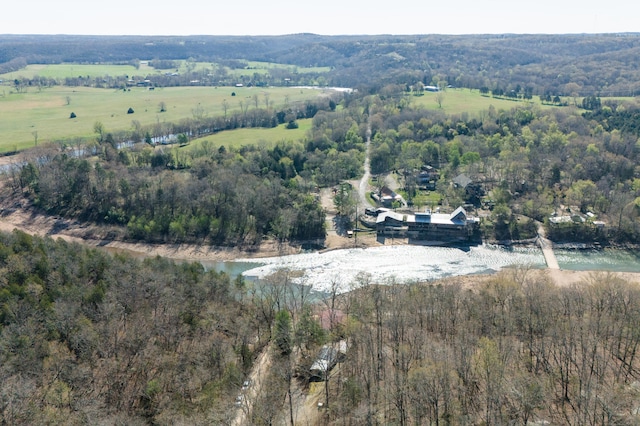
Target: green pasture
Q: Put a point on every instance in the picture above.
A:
(61, 71)
(457, 101)
(46, 112)
(265, 67)
(255, 136)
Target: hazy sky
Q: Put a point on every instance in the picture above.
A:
(329, 17)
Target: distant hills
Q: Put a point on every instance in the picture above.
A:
(602, 64)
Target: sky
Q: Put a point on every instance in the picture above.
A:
(326, 17)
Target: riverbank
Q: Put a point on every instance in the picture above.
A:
(15, 217)
(81, 233)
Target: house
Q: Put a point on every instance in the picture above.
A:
(428, 226)
(386, 197)
(473, 190)
(428, 173)
(462, 181)
(427, 178)
(392, 224)
(328, 357)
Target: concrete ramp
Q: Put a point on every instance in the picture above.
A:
(547, 251)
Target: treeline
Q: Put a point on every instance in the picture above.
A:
(214, 76)
(92, 338)
(250, 115)
(512, 350)
(234, 198)
(529, 163)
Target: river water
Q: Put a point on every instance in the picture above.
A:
(386, 264)
(599, 260)
(405, 264)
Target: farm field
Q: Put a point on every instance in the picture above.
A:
(60, 71)
(73, 70)
(265, 67)
(240, 137)
(457, 101)
(46, 113)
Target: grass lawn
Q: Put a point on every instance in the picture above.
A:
(46, 112)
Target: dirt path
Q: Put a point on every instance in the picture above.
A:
(256, 384)
(363, 185)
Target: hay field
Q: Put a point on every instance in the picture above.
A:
(46, 113)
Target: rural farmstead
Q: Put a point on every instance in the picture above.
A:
(457, 226)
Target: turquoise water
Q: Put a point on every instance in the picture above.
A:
(613, 260)
(231, 268)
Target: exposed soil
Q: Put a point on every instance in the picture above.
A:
(14, 214)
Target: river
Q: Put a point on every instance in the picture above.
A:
(386, 264)
(405, 264)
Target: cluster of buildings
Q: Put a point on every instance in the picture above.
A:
(427, 225)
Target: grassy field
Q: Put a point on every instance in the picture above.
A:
(265, 67)
(457, 101)
(267, 137)
(71, 70)
(46, 112)
(60, 71)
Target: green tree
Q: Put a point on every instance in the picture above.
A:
(98, 128)
(583, 193)
(344, 200)
(282, 336)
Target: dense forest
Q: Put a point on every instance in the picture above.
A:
(512, 350)
(587, 65)
(89, 337)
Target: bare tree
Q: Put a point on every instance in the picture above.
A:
(225, 107)
(267, 101)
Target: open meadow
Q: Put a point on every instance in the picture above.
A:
(38, 115)
(458, 101)
(64, 70)
(44, 115)
(253, 136)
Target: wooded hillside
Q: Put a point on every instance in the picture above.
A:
(598, 65)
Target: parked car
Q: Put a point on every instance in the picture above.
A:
(239, 400)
